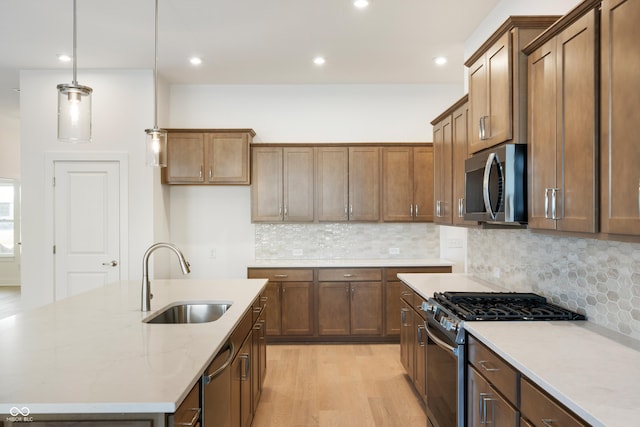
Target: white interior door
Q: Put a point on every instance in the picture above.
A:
(86, 225)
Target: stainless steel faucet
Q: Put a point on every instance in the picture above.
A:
(146, 284)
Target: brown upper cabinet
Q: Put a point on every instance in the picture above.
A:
(562, 128)
(283, 184)
(498, 83)
(407, 184)
(348, 183)
(208, 156)
(620, 104)
(450, 141)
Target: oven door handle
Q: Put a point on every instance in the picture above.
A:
(440, 343)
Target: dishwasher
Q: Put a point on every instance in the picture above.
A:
(216, 389)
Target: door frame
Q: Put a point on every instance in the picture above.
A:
(74, 156)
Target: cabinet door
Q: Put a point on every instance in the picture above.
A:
(366, 308)
(478, 103)
(298, 179)
(392, 309)
(397, 184)
(273, 308)
(241, 409)
(420, 355)
(364, 183)
(332, 183)
(423, 184)
(486, 406)
(185, 158)
(460, 126)
(576, 132)
(297, 308)
(442, 143)
(227, 157)
(499, 121)
(333, 308)
(266, 191)
(620, 153)
(542, 135)
(406, 337)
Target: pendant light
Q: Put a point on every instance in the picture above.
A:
(156, 138)
(74, 104)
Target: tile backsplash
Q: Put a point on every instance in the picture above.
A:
(346, 241)
(598, 278)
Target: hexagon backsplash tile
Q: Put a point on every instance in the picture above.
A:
(346, 241)
(600, 279)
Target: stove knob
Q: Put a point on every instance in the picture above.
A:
(446, 322)
(428, 307)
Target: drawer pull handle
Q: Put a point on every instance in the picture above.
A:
(280, 276)
(484, 365)
(257, 309)
(194, 419)
(245, 373)
(348, 275)
(547, 422)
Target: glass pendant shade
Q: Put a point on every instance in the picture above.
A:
(156, 147)
(74, 103)
(74, 113)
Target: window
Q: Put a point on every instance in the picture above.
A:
(8, 196)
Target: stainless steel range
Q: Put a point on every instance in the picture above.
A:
(446, 313)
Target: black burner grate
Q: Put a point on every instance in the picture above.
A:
(503, 306)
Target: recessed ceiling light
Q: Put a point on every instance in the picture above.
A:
(195, 60)
(361, 4)
(440, 60)
(64, 57)
(319, 60)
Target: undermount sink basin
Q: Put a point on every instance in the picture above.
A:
(193, 312)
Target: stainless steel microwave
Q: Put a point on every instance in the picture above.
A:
(496, 185)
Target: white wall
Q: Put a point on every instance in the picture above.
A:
(9, 147)
(507, 8)
(218, 218)
(10, 168)
(122, 109)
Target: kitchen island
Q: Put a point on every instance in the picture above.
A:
(590, 370)
(93, 354)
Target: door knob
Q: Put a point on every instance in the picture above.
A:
(111, 263)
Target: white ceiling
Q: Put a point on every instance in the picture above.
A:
(242, 41)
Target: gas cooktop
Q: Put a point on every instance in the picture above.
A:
(503, 306)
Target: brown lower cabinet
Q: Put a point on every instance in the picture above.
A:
(413, 352)
(334, 304)
(499, 395)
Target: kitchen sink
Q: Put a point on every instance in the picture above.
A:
(192, 312)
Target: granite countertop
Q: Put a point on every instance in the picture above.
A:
(591, 370)
(313, 263)
(92, 353)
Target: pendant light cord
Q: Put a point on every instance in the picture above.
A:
(155, 75)
(75, 63)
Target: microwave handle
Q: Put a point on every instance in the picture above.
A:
(485, 184)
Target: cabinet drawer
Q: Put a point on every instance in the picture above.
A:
(407, 294)
(189, 411)
(349, 274)
(498, 372)
(391, 274)
(541, 410)
(242, 330)
(282, 275)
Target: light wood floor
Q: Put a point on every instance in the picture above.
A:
(9, 301)
(337, 385)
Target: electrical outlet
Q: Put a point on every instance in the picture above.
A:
(496, 272)
(297, 252)
(455, 243)
(212, 253)
(394, 251)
